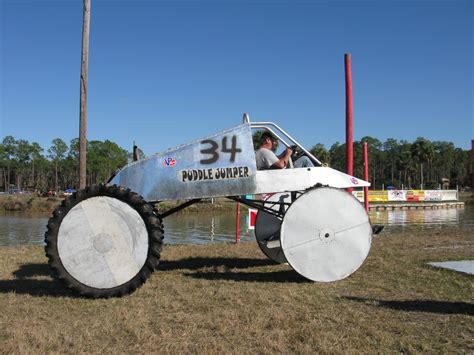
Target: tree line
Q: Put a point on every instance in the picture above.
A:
(402, 164)
(28, 166)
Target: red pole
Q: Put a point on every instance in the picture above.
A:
(349, 145)
(237, 223)
(366, 176)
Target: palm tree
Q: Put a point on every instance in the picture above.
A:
(423, 152)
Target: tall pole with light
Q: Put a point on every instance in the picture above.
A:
(83, 99)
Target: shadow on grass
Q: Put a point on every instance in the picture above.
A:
(32, 270)
(286, 276)
(428, 306)
(24, 284)
(26, 281)
(221, 269)
(200, 262)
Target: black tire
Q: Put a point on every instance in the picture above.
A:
(267, 227)
(151, 220)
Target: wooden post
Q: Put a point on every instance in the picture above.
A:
(349, 144)
(83, 100)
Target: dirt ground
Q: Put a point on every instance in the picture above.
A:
(228, 298)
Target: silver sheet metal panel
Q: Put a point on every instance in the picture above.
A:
(220, 165)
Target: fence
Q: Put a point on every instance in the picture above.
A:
(408, 195)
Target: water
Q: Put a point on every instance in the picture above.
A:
(196, 228)
(209, 227)
(22, 229)
(405, 220)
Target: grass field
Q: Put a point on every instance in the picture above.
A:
(228, 298)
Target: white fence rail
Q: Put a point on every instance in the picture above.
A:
(408, 195)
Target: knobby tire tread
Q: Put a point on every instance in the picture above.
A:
(150, 217)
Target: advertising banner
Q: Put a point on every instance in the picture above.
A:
(415, 195)
(433, 195)
(408, 195)
(378, 196)
(449, 195)
(397, 195)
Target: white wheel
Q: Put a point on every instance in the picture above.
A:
(104, 241)
(326, 234)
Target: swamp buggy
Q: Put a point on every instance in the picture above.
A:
(106, 240)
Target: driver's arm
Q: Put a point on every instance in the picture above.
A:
(283, 159)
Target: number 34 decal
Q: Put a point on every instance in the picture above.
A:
(213, 150)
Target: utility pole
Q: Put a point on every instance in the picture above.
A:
(83, 100)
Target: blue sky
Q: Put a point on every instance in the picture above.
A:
(166, 72)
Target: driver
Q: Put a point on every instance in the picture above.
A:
(267, 159)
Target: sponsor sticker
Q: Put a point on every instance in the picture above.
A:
(235, 172)
(354, 181)
(397, 195)
(169, 162)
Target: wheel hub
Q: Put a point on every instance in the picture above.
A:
(103, 243)
(326, 235)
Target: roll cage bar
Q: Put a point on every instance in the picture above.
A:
(271, 127)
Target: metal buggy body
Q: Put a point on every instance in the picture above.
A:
(106, 240)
